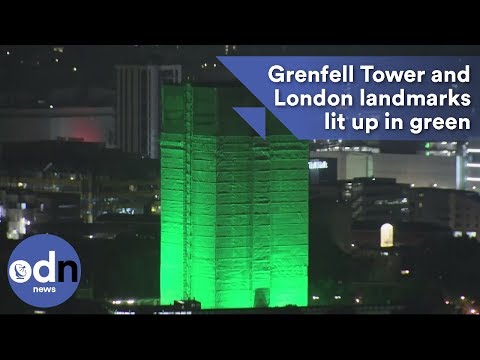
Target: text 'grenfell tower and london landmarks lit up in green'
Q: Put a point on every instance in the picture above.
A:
(234, 222)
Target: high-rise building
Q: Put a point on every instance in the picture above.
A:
(378, 199)
(234, 224)
(138, 107)
(467, 156)
(458, 210)
(416, 170)
(468, 170)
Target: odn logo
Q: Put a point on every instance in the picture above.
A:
(44, 270)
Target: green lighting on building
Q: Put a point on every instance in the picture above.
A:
(234, 223)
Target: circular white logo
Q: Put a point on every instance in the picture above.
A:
(44, 270)
(20, 271)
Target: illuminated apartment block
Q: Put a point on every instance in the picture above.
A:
(234, 224)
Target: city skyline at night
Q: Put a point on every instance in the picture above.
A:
(135, 156)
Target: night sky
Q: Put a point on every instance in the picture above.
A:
(42, 67)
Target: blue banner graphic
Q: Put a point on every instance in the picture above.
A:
(363, 98)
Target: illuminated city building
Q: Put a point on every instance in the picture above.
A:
(416, 170)
(72, 181)
(458, 209)
(467, 160)
(234, 223)
(468, 171)
(377, 199)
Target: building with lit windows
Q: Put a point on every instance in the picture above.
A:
(465, 213)
(416, 170)
(385, 201)
(345, 146)
(441, 148)
(72, 181)
(467, 160)
(459, 210)
(378, 199)
(19, 209)
(469, 168)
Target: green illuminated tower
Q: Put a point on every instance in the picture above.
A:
(234, 223)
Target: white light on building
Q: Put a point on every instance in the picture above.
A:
(386, 235)
(317, 165)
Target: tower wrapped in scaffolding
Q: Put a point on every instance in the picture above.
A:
(234, 207)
